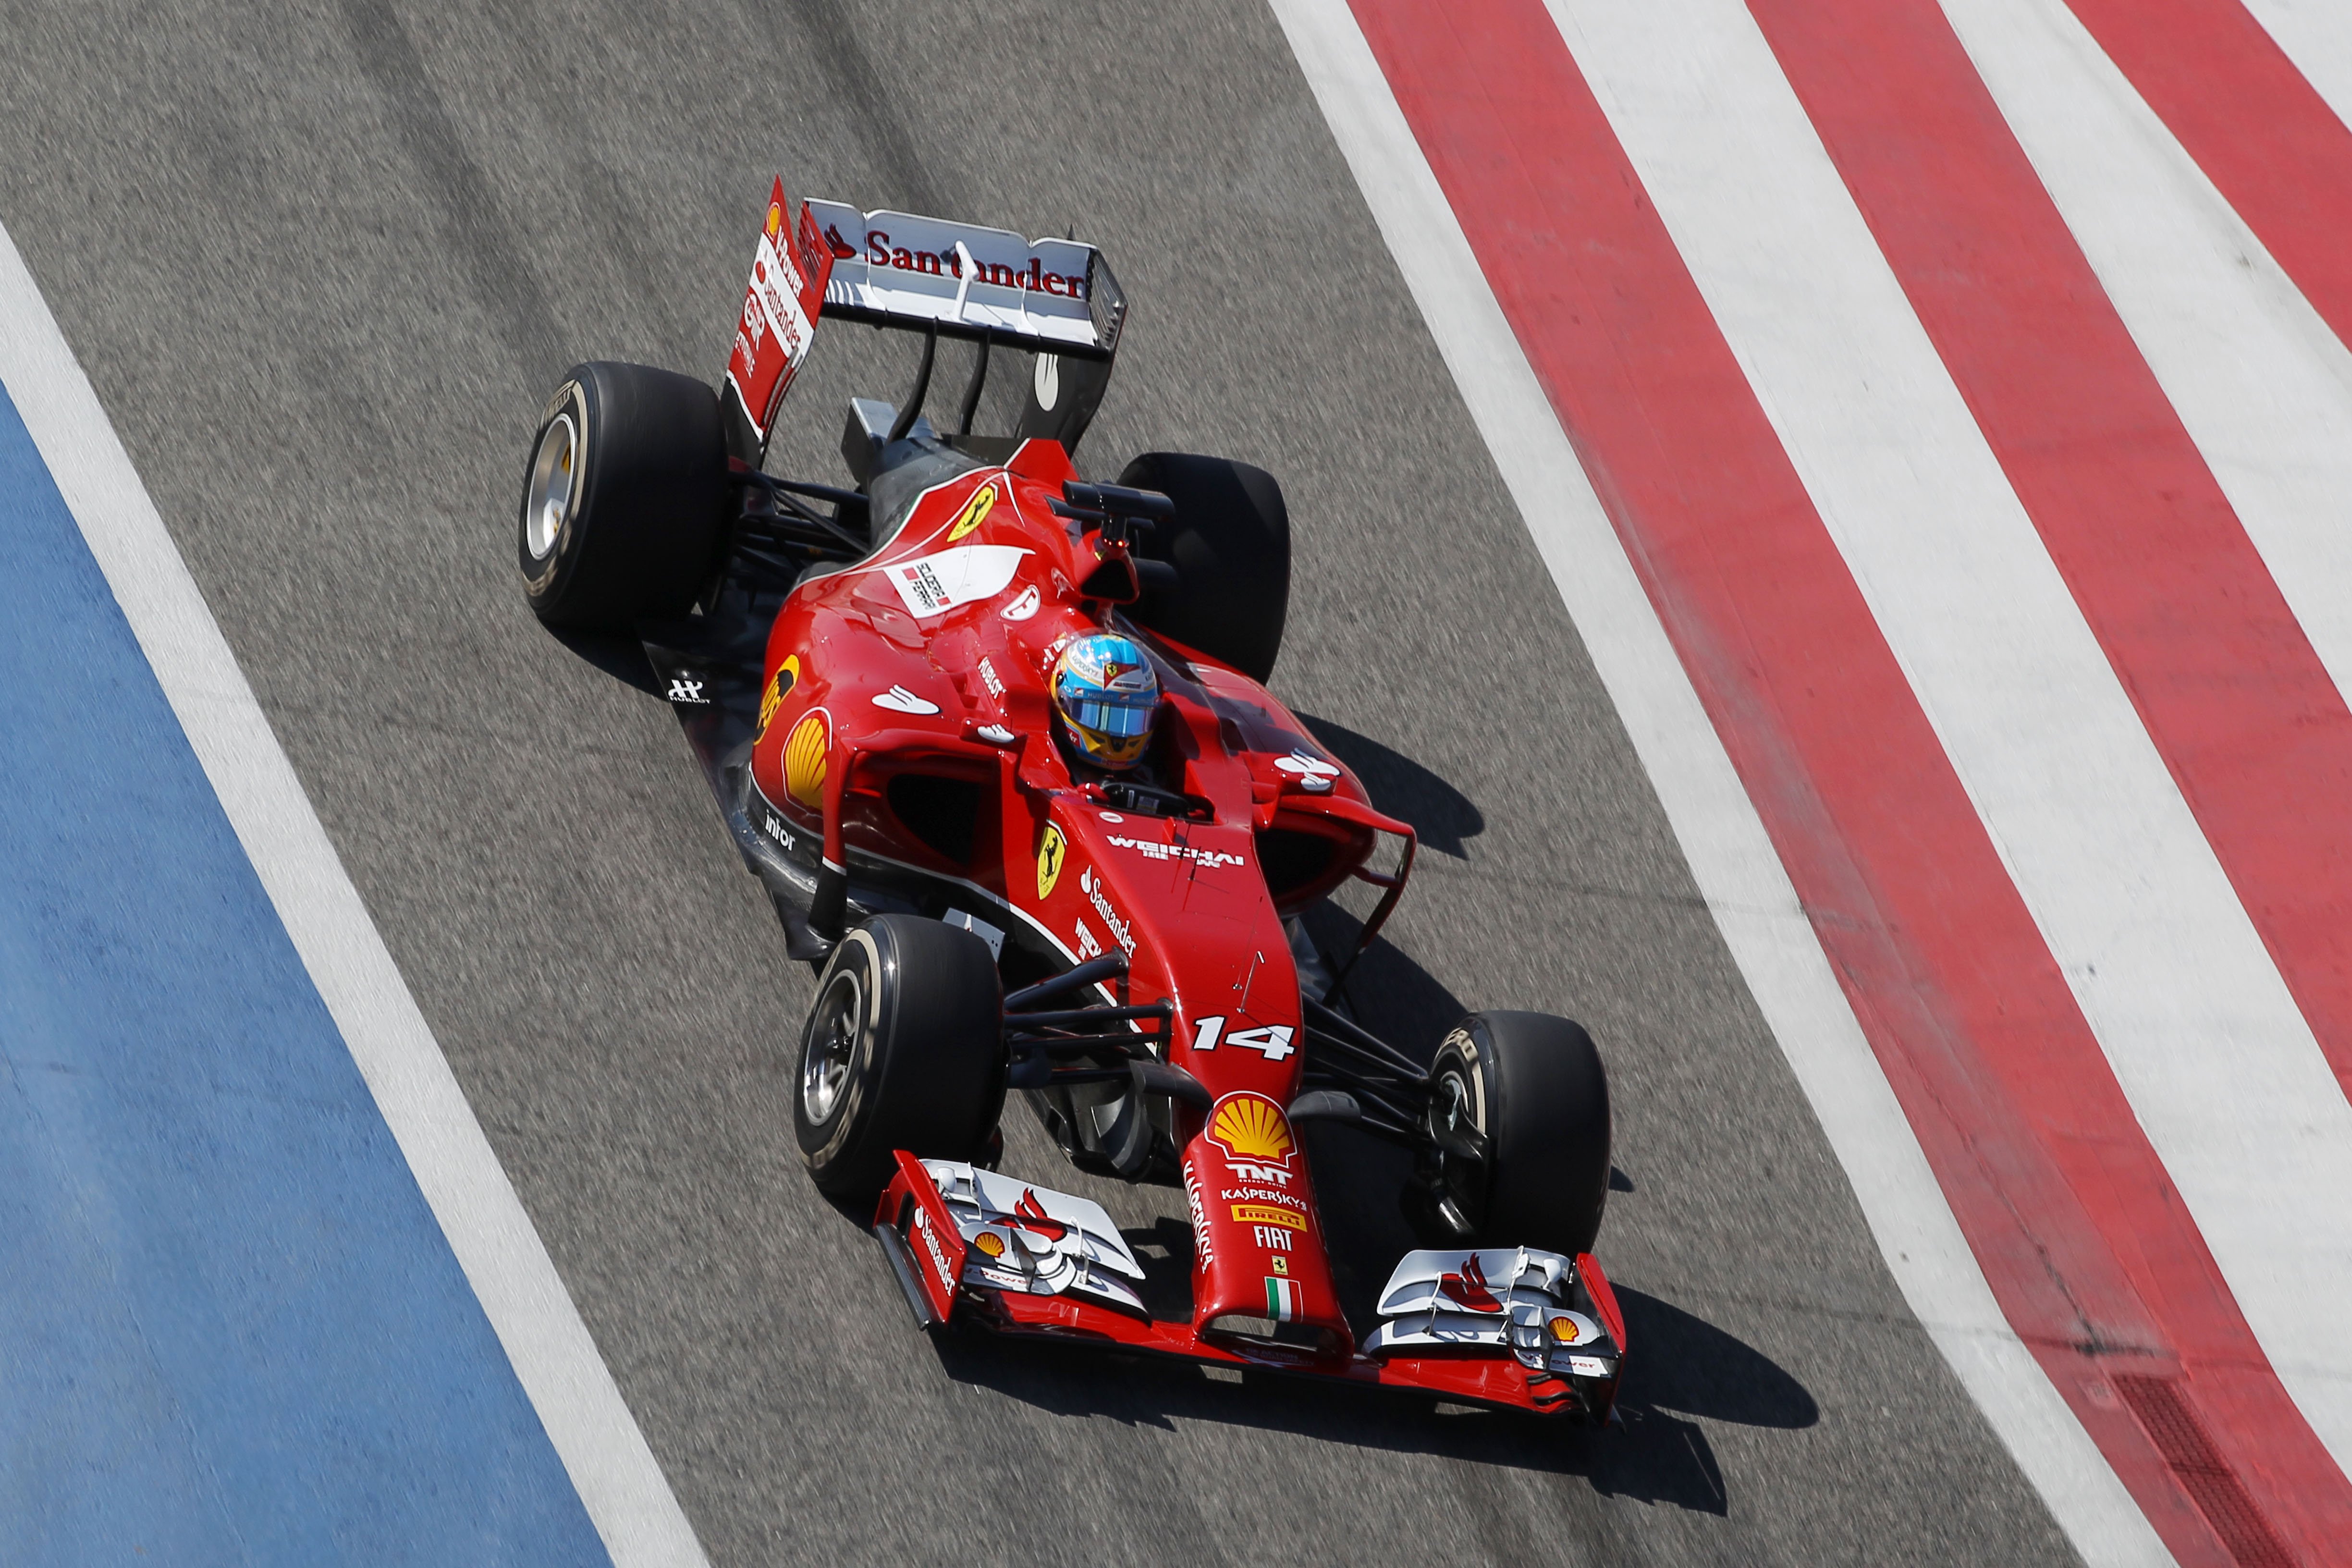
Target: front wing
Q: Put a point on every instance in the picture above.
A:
(1516, 1329)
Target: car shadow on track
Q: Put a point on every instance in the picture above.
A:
(1682, 1370)
(1441, 815)
(621, 656)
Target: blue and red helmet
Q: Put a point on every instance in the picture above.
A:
(1107, 694)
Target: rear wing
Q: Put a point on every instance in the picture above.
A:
(897, 269)
(1055, 298)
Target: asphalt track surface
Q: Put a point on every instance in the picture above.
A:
(323, 265)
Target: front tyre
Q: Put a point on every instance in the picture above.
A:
(1517, 1150)
(623, 508)
(904, 1048)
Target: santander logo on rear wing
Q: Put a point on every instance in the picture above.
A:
(1056, 297)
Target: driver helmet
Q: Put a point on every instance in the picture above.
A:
(1105, 692)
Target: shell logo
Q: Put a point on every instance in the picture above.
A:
(804, 760)
(975, 511)
(1252, 1127)
(1050, 850)
(787, 676)
(775, 219)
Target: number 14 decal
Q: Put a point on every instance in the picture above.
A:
(1272, 1042)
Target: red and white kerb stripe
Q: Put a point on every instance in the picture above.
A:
(1938, 422)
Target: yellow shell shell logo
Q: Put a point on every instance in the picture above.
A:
(804, 760)
(787, 676)
(975, 511)
(1252, 1127)
(1050, 850)
(775, 219)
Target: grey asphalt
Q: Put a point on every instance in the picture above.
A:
(324, 263)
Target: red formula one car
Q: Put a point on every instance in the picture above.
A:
(865, 671)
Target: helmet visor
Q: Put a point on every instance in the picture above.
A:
(1119, 714)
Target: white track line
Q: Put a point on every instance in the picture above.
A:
(2205, 1040)
(1732, 860)
(2263, 383)
(618, 1480)
(2316, 35)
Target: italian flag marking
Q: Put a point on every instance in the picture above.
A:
(1281, 1300)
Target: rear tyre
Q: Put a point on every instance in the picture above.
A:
(1517, 1135)
(622, 499)
(904, 1048)
(1229, 546)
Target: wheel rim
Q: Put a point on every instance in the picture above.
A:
(832, 1047)
(1450, 1106)
(553, 475)
(1455, 1120)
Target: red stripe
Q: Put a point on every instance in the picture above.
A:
(2235, 698)
(2065, 1206)
(2263, 134)
(2253, 730)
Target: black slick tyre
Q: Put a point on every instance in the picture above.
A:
(623, 498)
(1518, 1126)
(903, 1049)
(1229, 546)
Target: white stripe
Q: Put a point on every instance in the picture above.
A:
(1736, 870)
(2205, 1042)
(2261, 383)
(2264, 389)
(2316, 35)
(617, 1478)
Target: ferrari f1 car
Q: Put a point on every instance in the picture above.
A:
(863, 671)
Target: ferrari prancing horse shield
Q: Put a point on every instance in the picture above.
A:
(1049, 859)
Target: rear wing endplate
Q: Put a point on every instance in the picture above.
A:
(789, 272)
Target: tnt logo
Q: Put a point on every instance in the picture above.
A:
(1273, 1176)
(683, 688)
(1272, 1237)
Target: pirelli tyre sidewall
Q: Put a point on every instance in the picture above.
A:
(624, 497)
(903, 1048)
(1534, 1088)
